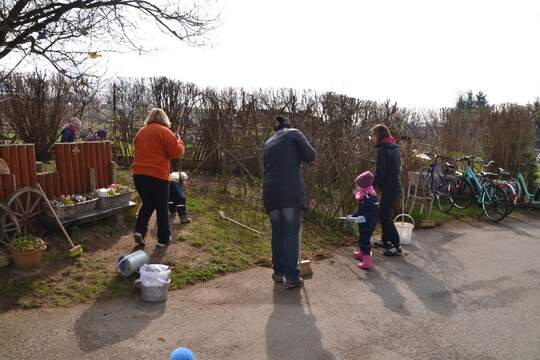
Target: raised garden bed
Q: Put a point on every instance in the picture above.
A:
(74, 205)
(114, 196)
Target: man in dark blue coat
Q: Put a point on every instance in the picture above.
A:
(284, 198)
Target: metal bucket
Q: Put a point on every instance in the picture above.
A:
(155, 280)
(154, 293)
(129, 264)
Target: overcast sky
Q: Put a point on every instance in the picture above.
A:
(420, 53)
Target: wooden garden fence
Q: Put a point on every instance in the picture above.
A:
(80, 168)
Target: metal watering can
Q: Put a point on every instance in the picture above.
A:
(129, 264)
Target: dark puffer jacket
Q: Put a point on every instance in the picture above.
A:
(388, 172)
(283, 183)
(367, 207)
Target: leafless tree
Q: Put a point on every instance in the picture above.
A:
(36, 105)
(67, 32)
(128, 101)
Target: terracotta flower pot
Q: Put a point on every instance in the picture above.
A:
(28, 259)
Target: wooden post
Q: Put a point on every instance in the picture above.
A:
(92, 179)
(31, 155)
(24, 167)
(14, 165)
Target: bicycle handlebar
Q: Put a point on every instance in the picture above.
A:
(468, 158)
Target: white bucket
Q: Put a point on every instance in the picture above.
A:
(404, 229)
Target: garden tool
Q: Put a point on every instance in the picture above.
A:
(75, 250)
(222, 215)
(353, 219)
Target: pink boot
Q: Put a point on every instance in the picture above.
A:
(357, 254)
(366, 263)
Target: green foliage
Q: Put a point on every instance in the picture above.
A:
(469, 101)
(530, 170)
(27, 243)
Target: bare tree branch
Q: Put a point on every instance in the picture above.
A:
(64, 32)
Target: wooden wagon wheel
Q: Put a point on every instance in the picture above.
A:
(9, 225)
(25, 204)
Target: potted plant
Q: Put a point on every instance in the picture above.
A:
(115, 195)
(73, 205)
(26, 251)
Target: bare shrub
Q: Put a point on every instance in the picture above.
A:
(36, 106)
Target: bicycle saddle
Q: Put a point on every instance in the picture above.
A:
(487, 174)
(504, 172)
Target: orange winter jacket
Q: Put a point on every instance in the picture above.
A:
(155, 146)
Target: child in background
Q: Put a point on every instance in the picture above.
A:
(367, 207)
(177, 199)
(182, 353)
(100, 135)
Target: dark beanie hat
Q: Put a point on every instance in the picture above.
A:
(282, 123)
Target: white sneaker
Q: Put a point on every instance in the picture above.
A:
(139, 239)
(162, 245)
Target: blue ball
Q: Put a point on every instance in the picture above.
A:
(182, 354)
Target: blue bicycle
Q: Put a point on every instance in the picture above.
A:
(483, 189)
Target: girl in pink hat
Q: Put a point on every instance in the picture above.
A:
(366, 199)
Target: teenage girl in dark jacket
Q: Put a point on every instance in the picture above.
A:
(387, 179)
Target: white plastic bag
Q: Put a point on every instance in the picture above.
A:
(155, 275)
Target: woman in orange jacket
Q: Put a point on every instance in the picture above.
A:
(155, 146)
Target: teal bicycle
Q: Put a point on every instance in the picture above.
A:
(519, 183)
(484, 189)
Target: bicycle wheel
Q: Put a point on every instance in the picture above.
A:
(425, 180)
(510, 194)
(495, 203)
(442, 194)
(461, 193)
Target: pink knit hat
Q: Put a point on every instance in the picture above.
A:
(365, 179)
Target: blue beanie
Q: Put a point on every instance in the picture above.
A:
(182, 354)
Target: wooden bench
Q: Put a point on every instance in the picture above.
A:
(72, 224)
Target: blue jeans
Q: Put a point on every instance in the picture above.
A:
(177, 199)
(286, 227)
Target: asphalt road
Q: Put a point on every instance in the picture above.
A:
(464, 291)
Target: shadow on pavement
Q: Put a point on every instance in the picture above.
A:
(427, 280)
(291, 333)
(108, 323)
(430, 290)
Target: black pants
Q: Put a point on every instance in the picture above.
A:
(390, 236)
(154, 194)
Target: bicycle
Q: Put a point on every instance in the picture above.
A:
(523, 191)
(437, 182)
(508, 186)
(485, 191)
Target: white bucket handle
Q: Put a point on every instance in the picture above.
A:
(403, 216)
